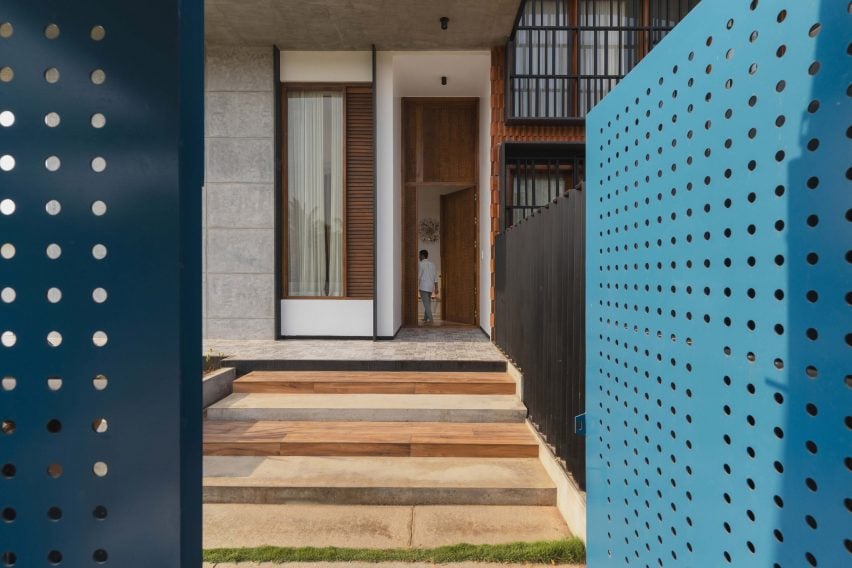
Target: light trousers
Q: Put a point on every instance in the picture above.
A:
(426, 298)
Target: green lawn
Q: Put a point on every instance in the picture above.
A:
(568, 551)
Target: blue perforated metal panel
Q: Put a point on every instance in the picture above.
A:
(718, 385)
(100, 174)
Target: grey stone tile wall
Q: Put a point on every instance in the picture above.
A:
(239, 194)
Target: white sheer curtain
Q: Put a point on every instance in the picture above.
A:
(315, 193)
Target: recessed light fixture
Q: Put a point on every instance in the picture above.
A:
(445, 22)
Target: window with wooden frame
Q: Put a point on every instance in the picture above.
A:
(534, 174)
(328, 191)
(564, 56)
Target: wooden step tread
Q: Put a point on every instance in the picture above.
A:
(379, 382)
(437, 439)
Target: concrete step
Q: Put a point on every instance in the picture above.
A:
(398, 439)
(369, 407)
(374, 382)
(360, 526)
(376, 481)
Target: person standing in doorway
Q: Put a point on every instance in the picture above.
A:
(428, 284)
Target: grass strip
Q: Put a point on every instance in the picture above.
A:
(567, 551)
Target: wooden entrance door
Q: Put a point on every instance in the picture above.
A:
(458, 256)
(439, 153)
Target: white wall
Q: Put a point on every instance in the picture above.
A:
(336, 318)
(388, 223)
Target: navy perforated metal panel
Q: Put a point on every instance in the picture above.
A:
(100, 173)
(718, 295)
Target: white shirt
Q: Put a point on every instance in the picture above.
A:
(428, 276)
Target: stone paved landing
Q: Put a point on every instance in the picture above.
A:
(411, 344)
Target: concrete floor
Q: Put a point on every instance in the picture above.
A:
(421, 344)
(357, 526)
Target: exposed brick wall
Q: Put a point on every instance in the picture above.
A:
(501, 132)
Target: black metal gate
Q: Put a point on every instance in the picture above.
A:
(540, 319)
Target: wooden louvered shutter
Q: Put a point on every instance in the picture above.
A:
(359, 192)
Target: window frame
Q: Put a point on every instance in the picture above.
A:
(287, 87)
(646, 33)
(573, 152)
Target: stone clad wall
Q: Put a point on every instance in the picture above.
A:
(239, 194)
(501, 132)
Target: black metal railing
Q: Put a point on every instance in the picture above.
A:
(539, 319)
(564, 56)
(533, 174)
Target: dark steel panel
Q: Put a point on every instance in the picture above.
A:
(145, 510)
(538, 322)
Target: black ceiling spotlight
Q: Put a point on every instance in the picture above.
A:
(444, 80)
(445, 22)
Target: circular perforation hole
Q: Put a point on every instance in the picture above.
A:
(100, 469)
(100, 425)
(54, 514)
(51, 31)
(99, 295)
(53, 207)
(54, 557)
(99, 208)
(54, 383)
(7, 118)
(8, 383)
(54, 339)
(99, 338)
(7, 162)
(52, 75)
(99, 164)
(8, 427)
(54, 470)
(98, 33)
(99, 252)
(8, 339)
(98, 120)
(52, 163)
(100, 382)
(53, 251)
(98, 76)
(54, 295)
(7, 74)
(6, 30)
(7, 207)
(52, 119)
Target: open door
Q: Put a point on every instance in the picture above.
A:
(458, 256)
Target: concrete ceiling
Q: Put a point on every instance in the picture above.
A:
(329, 25)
